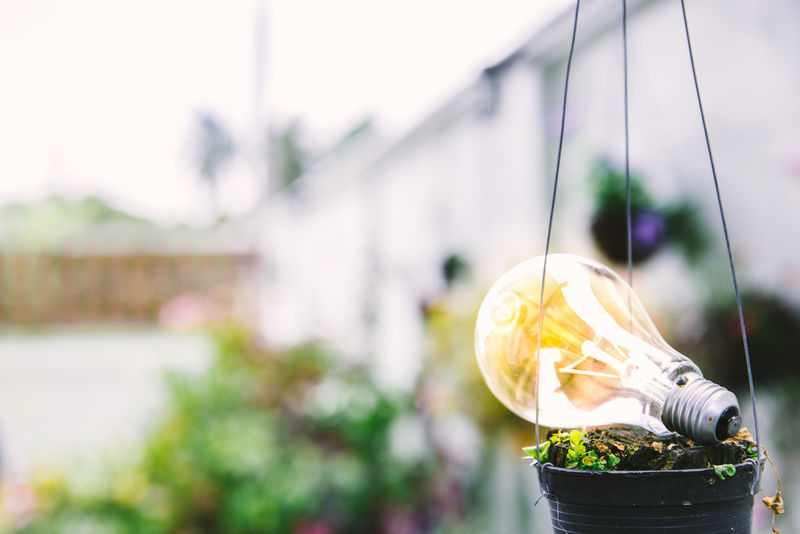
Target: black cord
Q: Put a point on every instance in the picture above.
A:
(727, 246)
(627, 157)
(550, 227)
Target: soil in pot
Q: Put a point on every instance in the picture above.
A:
(635, 449)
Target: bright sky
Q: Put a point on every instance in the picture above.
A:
(101, 97)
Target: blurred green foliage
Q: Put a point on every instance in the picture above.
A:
(87, 210)
(773, 335)
(295, 441)
(451, 369)
(610, 192)
(48, 222)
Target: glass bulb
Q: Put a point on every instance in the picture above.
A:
(602, 361)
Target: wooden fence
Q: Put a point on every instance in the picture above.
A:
(56, 288)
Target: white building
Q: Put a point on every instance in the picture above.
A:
(355, 249)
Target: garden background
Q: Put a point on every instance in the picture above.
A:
(242, 246)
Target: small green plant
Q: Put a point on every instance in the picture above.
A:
(543, 454)
(577, 452)
(725, 470)
(578, 457)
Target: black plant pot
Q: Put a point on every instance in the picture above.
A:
(691, 501)
(648, 234)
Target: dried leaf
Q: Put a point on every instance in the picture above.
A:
(657, 445)
(774, 503)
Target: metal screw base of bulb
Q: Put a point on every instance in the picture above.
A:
(701, 410)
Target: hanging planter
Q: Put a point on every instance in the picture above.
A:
(648, 234)
(690, 501)
(653, 228)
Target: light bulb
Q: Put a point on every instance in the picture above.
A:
(602, 361)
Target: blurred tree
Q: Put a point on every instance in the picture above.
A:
(291, 155)
(51, 221)
(454, 268)
(290, 159)
(215, 150)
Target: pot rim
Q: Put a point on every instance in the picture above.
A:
(679, 487)
(659, 473)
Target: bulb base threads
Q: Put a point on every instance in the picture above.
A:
(701, 410)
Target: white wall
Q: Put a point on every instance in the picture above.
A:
(364, 244)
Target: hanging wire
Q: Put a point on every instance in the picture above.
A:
(550, 228)
(627, 159)
(728, 247)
